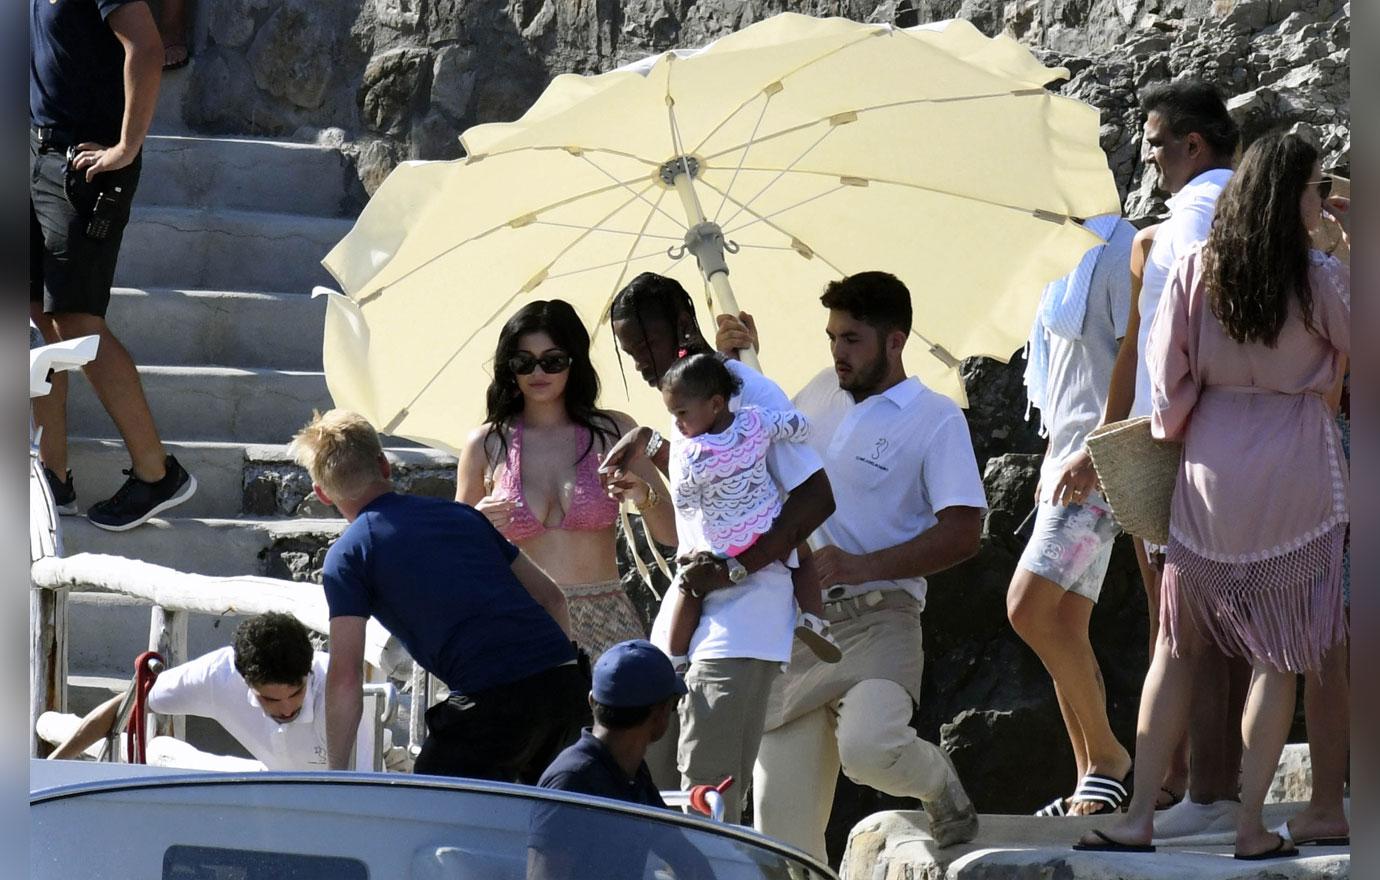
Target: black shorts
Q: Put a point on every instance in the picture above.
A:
(510, 733)
(68, 270)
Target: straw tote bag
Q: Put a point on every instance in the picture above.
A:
(1137, 473)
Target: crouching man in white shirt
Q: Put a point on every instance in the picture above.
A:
(910, 503)
(268, 690)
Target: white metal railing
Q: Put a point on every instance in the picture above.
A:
(173, 596)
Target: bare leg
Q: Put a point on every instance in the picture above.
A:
(1264, 727)
(116, 382)
(172, 25)
(805, 583)
(1326, 706)
(1176, 778)
(1081, 761)
(1214, 746)
(1164, 705)
(50, 411)
(1054, 622)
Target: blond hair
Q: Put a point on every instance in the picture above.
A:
(341, 451)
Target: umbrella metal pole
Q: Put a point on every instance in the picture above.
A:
(705, 240)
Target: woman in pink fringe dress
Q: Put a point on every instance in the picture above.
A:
(1248, 343)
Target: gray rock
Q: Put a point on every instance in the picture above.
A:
(232, 22)
(434, 136)
(452, 81)
(394, 87)
(294, 53)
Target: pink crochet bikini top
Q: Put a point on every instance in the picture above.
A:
(590, 509)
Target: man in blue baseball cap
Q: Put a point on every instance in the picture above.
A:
(635, 691)
(634, 695)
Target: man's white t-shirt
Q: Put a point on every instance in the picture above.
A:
(1190, 219)
(211, 687)
(754, 619)
(893, 460)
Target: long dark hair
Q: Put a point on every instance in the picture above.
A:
(1255, 261)
(557, 319)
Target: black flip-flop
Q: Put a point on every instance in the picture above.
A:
(186, 57)
(1281, 850)
(1175, 798)
(1324, 841)
(1110, 845)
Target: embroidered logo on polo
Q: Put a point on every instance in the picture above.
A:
(872, 460)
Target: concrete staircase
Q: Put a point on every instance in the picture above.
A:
(213, 302)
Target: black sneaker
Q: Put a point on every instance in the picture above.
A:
(136, 502)
(64, 492)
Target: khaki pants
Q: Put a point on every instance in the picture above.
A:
(721, 721)
(851, 715)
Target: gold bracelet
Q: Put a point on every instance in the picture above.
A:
(652, 500)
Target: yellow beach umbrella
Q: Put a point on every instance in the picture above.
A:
(766, 164)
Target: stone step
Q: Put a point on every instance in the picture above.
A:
(898, 844)
(219, 328)
(219, 469)
(275, 485)
(106, 631)
(226, 250)
(234, 479)
(274, 547)
(248, 174)
(212, 403)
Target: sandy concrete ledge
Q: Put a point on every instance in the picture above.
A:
(897, 846)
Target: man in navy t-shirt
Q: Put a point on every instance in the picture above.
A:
(468, 606)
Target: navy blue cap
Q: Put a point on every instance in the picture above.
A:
(635, 673)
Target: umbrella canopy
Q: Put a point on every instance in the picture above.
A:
(819, 147)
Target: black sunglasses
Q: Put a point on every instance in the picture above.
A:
(1324, 185)
(523, 364)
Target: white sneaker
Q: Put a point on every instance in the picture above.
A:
(814, 632)
(1189, 819)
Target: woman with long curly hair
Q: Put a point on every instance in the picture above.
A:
(1244, 353)
(532, 469)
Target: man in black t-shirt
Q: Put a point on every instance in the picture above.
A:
(94, 68)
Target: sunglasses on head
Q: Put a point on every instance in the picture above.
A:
(523, 364)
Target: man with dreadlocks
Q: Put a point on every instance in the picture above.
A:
(747, 625)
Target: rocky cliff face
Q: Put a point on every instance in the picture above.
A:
(400, 79)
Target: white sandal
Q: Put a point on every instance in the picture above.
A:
(814, 632)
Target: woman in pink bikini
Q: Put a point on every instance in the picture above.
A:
(532, 469)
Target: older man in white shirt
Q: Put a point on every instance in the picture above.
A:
(910, 503)
(1191, 139)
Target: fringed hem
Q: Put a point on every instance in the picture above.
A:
(1286, 611)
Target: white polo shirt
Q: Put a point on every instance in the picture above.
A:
(210, 686)
(754, 619)
(1190, 219)
(893, 461)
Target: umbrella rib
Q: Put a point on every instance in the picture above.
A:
(938, 351)
(743, 158)
(623, 262)
(656, 206)
(779, 174)
(640, 233)
(530, 285)
(367, 298)
(734, 112)
(895, 104)
(1055, 216)
(618, 285)
(784, 210)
